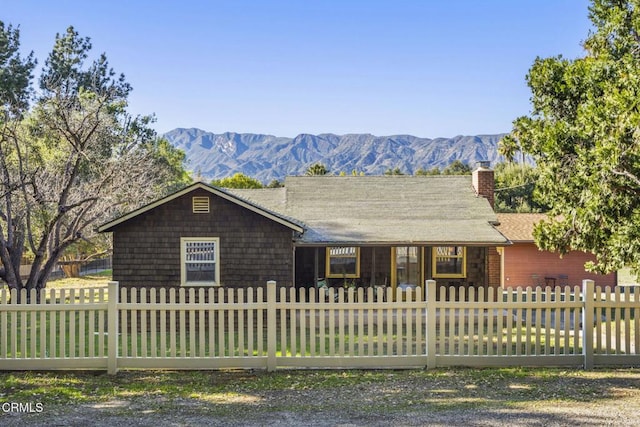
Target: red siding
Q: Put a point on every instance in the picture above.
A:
(522, 260)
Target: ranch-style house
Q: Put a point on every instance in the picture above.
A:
(395, 231)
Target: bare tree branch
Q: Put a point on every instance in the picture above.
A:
(628, 175)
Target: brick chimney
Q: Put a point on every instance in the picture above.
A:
(483, 182)
(484, 185)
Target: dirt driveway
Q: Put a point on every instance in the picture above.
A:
(470, 397)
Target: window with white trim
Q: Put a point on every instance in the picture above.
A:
(449, 261)
(200, 261)
(343, 261)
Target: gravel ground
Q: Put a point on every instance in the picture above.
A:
(398, 399)
(619, 414)
(550, 416)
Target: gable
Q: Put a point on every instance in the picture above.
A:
(203, 190)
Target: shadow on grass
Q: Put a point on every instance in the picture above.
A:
(443, 396)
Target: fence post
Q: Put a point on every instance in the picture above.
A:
(271, 326)
(431, 323)
(112, 328)
(588, 304)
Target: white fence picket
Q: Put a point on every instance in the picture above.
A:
(226, 328)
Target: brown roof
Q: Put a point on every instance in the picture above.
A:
(518, 227)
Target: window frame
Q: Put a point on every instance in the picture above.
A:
(184, 262)
(328, 257)
(434, 262)
(420, 261)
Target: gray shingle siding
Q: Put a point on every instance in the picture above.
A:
(253, 249)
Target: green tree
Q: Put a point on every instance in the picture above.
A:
(170, 161)
(15, 76)
(515, 187)
(457, 168)
(428, 172)
(584, 136)
(395, 171)
(73, 161)
(15, 90)
(275, 184)
(316, 169)
(508, 146)
(238, 180)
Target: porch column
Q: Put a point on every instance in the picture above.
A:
(316, 269)
(293, 267)
(373, 266)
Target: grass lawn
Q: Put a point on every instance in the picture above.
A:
(62, 388)
(94, 280)
(30, 325)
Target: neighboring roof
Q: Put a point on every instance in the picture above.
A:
(518, 227)
(383, 209)
(261, 210)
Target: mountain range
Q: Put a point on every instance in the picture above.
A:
(268, 157)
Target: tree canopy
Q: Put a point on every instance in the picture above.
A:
(317, 169)
(456, 167)
(515, 186)
(72, 160)
(238, 180)
(584, 134)
(509, 146)
(396, 171)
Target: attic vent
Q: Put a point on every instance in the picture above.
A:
(200, 204)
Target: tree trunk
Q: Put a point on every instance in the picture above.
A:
(11, 271)
(71, 268)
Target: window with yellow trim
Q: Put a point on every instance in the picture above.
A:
(449, 261)
(343, 261)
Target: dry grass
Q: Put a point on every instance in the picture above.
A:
(411, 397)
(95, 280)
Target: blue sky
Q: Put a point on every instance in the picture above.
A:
(426, 68)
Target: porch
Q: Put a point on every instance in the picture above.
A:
(398, 267)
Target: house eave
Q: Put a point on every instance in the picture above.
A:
(213, 190)
(400, 243)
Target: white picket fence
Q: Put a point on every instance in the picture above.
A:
(272, 328)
